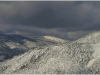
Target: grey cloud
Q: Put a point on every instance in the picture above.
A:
(65, 19)
(46, 14)
(34, 31)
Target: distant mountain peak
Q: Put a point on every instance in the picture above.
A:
(93, 37)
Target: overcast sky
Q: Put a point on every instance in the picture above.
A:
(63, 19)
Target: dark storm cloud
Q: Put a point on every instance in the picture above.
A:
(41, 14)
(67, 14)
(67, 20)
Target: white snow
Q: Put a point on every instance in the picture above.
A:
(93, 37)
(29, 44)
(54, 39)
(60, 58)
(96, 54)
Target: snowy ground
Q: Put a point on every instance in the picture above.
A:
(96, 54)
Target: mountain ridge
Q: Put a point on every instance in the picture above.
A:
(93, 37)
(77, 57)
(14, 44)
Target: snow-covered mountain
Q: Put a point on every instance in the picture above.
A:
(91, 38)
(13, 44)
(81, 56)
(51, 59)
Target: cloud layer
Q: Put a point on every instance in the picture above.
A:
(59, 16)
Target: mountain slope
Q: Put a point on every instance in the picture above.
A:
(53, 57)
(50, 60)
(93, 37)
(13, 44)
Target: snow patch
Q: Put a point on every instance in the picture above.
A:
(96, 54)
(54, 39)
(29, 44)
